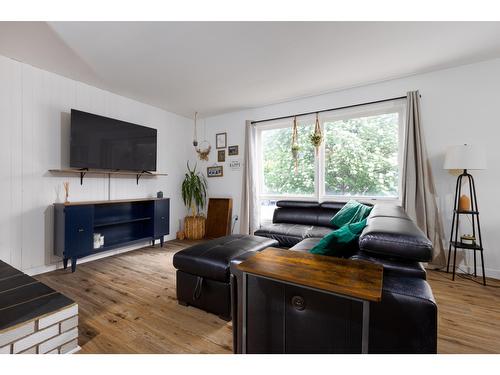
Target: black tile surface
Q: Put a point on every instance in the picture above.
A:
(22, 294)
(22, 298)
(30, 310)
(7, 271)
(16, 282)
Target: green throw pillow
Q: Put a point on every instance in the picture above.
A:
(339, 242)
(352, 212)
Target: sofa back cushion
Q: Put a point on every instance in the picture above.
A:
(307, 213)
(394, 236)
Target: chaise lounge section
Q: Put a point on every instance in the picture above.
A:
(203, 278)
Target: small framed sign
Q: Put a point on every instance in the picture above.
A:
(235, 165)
(221, 156)
(232, 150)
(221, 140)
(215, 171)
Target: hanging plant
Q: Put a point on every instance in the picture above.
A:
(204, 149)
(316, 137)
(295, 144)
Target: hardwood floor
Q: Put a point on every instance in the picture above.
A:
(127, 304)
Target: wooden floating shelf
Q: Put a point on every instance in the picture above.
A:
(83, 172)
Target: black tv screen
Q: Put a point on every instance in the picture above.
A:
(99, 142)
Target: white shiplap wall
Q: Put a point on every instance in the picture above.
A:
(34, 137)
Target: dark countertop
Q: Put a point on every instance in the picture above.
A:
(23, 298)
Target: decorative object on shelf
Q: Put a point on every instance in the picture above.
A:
(195, 135)
(66, 191)
(221, 156)
(316, 138)
(464, 203)
(194, 195)
(295, 144)
(468, 239)
(221, 140)
(232, 150)
(215, 171)
(159, 194)
(465, 157)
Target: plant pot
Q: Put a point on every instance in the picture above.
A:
(194, 227)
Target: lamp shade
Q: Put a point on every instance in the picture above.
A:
(465, 157)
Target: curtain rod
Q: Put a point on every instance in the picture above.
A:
(328, 110)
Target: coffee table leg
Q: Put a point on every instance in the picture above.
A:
(244, 312)
(366, 327)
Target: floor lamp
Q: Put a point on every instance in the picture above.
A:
(465, 157)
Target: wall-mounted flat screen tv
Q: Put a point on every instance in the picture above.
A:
(99, 142)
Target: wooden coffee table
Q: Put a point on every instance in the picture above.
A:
(352, 279)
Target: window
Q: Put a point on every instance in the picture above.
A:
(360, 157)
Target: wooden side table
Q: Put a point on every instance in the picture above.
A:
(351, 279)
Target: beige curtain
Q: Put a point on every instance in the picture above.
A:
(249, 215)
(418, 190)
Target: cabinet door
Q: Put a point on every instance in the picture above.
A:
(162, 218)
(78, 230)
(317, 322)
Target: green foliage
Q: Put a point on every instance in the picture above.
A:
(360, 158)
(194, 190)
(278, 162)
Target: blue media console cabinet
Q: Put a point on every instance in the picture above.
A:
(120, 222)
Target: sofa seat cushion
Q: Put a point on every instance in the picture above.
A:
(211, 259)
(306, 244)
(318, 232)
(393, 237)
(289, 235)
(394, 267)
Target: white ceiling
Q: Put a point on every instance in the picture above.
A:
(217, 67)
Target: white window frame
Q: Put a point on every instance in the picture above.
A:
(398, 105)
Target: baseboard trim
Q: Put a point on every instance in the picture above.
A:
(59, 265)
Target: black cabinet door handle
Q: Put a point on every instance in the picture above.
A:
(163, 217)
(298, 302)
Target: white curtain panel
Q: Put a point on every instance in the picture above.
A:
(249, 204)
(418, 189)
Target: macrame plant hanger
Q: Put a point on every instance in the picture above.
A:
(317, 137)
(295, 144)
(195, 135)
(205, 151)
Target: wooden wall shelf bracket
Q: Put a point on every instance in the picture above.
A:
(84, 171)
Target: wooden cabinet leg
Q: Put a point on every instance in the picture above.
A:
(65, 263)
(73, 264)
(161, 241)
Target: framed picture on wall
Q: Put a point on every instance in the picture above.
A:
(215, 171)
(221, 156)
(232, 150)
(221, 140)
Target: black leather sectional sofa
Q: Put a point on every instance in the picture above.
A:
(405, 321)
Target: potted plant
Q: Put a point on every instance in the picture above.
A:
(194, 195)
